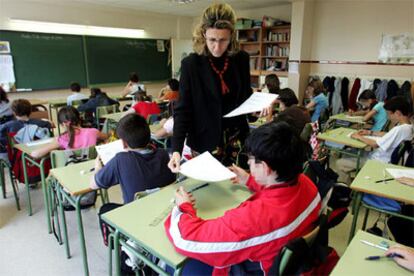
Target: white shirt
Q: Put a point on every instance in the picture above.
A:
(136, 87)
(390, 141)
(75, 97)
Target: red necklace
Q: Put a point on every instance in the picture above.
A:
(220, 73)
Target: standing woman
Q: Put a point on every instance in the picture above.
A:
(214, 81)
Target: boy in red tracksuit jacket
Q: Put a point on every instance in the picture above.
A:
(285, 205)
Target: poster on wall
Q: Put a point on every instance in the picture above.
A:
(4, 47)
(397, 48)
(7, 79)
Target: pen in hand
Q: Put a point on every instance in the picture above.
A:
(374, 258)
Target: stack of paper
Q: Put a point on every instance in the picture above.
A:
(206, 168)
(40, 142)
(108, 151)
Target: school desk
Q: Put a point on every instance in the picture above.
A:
(342, 136)
(353, 260)
(142, 221)
(162, 141)
(72, 183)
(26, 152)
(343, 117)
(366, 182)
(111, 121)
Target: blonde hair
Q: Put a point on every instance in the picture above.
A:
(218, 16)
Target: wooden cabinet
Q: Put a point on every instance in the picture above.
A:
(268, 48)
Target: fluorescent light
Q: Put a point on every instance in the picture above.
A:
(61, 28)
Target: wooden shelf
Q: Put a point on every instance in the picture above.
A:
(249, 42)
(276, 42)
(249, 29)
(259, 49)
(276, 57)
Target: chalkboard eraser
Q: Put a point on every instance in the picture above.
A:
(23, 89)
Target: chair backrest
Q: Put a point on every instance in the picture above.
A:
(60, 158)
(286, 253)
(400, 152)
(77, 103)
(105, 109)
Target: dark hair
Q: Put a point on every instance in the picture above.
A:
(142, 96)
(273, 84)
(368, 94)
(133, 77)
(21, 107)
(398, 103)
(174, 84)
(280, 147)
(287, 97)
(70, 115)
(317, 86)
(3, 95)
(134, 130)
(95, 91)
(75, 87)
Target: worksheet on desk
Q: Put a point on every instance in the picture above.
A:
(255, 103)
(108, 151)
(206, 168)
(398, 173)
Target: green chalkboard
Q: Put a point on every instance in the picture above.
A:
(110, 60)
(46, 61)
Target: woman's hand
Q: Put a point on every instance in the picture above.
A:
(406, 253)
(241, 175)
(174, 163)
(181, 196)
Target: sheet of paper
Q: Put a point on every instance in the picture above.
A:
(108, 151)
(397, 173)
(40, 142)
(356, 118)
(206, 168)
(375, 138)
(255, 103)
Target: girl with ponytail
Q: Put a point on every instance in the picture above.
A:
(75, 136)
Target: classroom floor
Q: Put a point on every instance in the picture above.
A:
(27, 249)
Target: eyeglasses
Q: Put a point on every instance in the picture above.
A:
(218, 41)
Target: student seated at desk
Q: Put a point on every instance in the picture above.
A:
(373, 110)
(21, 109)
(144, 106)
(6, 113)
(284, 205)
(75, 137)
(170, 92)
(76, 94)
(97, 98)
(140, 168)
(133, 86)
(272, 84)
(288, 105)
(318, 102)
(399, 111)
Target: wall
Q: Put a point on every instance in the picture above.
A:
(155, 25)
(282, 12)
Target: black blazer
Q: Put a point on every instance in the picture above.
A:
(198, 114)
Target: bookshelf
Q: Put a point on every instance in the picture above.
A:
(268, 48)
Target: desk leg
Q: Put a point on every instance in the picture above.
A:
(26, 182)
(50, 113)
(59, 192)
(357, 205)
(110, 248)
(81, 235)
(54, 216)
(2, 179)
(358, 160)
(16, 196)
(178, 271)
(117, 254)
(45, 194)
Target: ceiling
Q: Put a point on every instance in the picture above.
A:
(170, 7)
